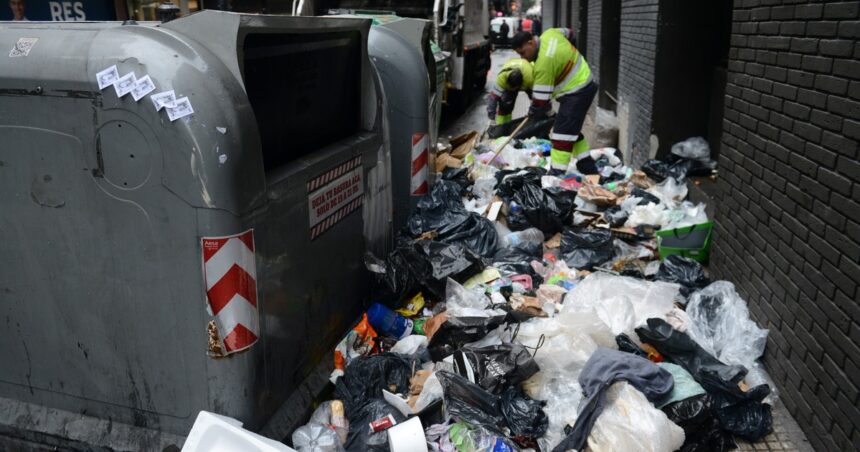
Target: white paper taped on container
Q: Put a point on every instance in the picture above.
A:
(163, 99)
(180, 109)
(125, 84)
(107, 77)
(142, 87)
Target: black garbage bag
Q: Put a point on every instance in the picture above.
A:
(455, 332)
(745, 416)
(625, 344)
(702, 431)
(471, 403)
(516, 260)
(547, 211)
(421, 266)
(365, 377)
(509, 182)
(524, 416)
(691, 167)
(644, 196)
(660, 170)
(681, 349)
(584, 248)
(458, 175)
(495, 367)
(684, 271)
(739, 412)
(615, 216)
(443, 211)
(360, 438)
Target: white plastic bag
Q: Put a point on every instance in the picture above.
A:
(670, 191)
(721, 324)
(462, 302)
(431, 392)
(410, 344)
(653, 214)
(695, 148)
(687, 214)
(630, 422)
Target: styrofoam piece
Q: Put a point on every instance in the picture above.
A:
(216, 433)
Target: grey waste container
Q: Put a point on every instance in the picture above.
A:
(125, 232)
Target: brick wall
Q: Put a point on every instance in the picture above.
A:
(592, 50)
(639, 20)
(788, 213)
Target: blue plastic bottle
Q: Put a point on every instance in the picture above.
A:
(389, 322)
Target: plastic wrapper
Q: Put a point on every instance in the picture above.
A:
(685, 385)
(422, 266)
(630, 423)
(684, 271)
(586, 248)
(695, 148)
(409, 345)
(360, 437)
(470, 438)
(687, 214)
(366, 377)
(443, 212)
(462, 302)
(620, 302)
(496, 367)
(316, 437)
(524, 416)
(702, 431)
(470, 403)
(722, 326)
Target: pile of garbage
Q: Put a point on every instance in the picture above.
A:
(523, 310)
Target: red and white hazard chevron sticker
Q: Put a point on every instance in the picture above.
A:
(420, 169)
(230, 273)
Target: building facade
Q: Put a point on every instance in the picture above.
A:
(774, 86)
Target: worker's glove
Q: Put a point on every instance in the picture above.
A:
(536, 112)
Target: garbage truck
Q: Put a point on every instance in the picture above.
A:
(186, 207)
(460, 28)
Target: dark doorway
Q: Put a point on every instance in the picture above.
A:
(690, 72)
(610, 46)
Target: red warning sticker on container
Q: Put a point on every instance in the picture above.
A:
(334, 194)
(230, 274)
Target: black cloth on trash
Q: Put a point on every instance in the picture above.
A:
(605, 367)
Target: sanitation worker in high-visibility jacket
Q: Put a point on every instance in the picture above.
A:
(561, 73)
(516, 75)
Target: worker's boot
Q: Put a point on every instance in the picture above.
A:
(584, 162)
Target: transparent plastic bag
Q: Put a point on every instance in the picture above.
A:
(651, 214)
(695, 148)
(630, 422)
(687, 214)
(670, 191)
(315, 437)
(562, 396)
(620, 302)
(462, 302)
(721, 324)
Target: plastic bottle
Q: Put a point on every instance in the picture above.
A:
(389, 322)
(530, 236)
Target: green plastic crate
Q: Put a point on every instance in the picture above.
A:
(693, 242)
